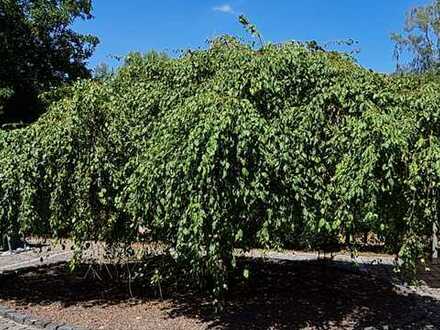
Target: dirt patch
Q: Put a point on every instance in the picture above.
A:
(278, 295)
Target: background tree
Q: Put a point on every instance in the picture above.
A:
(420, 41)
(103, 72)
(39, 51)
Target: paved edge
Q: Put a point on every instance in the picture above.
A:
(29, 320)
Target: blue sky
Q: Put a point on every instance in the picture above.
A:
(167, 25)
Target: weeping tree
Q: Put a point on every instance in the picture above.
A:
(419, 47)
(230, 147)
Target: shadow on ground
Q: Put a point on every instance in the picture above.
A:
(278, 295)
(431, 277)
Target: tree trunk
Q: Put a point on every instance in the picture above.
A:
(14, 243)
(10, 242)
(434, 255)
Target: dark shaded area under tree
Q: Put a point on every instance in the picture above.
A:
(278, 295)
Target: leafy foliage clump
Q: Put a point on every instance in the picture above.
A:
(231, 147)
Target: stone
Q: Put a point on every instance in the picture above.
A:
(17, 317)
(29, 321)
(41, 323)
(53, 326)
(5, 311)
(66, 327)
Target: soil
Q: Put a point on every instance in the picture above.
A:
(278, 295)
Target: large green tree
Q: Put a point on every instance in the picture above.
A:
(39, 51)
(419, 44)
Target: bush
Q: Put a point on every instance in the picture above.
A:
(231, 147)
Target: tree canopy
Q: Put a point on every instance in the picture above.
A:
(39, 51)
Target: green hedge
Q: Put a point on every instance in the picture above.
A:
(231, 147)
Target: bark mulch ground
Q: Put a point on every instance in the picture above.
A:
(279, 295)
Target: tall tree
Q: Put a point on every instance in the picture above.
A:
(39, 51)
(419, 44)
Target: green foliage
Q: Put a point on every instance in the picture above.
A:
(5, 94)
(39, 51)
(421, 39)
(231, 147)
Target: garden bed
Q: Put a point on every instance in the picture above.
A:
(278, 295)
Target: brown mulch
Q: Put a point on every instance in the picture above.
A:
(278, 295)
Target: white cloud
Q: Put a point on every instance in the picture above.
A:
(225, 8)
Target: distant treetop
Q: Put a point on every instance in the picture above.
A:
(420, 40)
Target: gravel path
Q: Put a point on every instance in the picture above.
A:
(34, 257)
